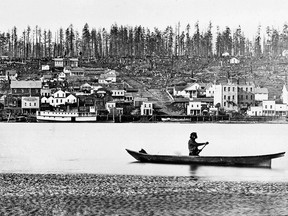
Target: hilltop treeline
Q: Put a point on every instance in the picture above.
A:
(121, 41)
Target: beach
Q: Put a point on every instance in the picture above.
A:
(89, 194)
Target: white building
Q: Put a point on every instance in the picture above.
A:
(226, 95)
(118, 94)
(45, 91)
(255, 111)
(146, 108)
(58, 62)
(45, 67)
(59, 98)
(62, 62)
(30, 102)
(269, 108)
(234, 61)
(61, 76)
(194, 108)
(210, 90)
(71, 99)
(281, 109)
(188, 91)
(261, 94)
(110, 105)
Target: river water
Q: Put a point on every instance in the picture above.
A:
(99, 148)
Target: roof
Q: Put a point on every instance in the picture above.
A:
(11, 72)
(77, 70)
(180, 88)
(26, 84)
(261, 90)
(73, 59)
(86, 85)
(207, 100)
(181, 100)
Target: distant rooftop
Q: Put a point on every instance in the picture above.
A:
(26, 84)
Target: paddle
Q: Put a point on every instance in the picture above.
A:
(202, 147)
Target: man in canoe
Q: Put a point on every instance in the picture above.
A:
(193, 145)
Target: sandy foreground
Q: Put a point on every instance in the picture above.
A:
(85, 194)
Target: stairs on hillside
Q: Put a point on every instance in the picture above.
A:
(161, 96)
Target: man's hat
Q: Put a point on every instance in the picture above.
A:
(193, 134)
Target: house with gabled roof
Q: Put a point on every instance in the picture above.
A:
(11, 74)
(234, 60)
(178, 90)
(261, 94)
(86, 87)
(46, 91)
(189, 91)
(192, 90)
(210, 90)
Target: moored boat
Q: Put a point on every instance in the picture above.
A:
(175, 119)
(244, 161)
(57, 116)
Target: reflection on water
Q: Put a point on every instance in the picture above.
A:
(193, 172)
(100, 148)
(193, 169)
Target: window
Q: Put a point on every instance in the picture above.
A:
(224, 103)
(251, 89)
(233, 97)
(224, 97)
(35, 104)
(229, 98)
(251, 97)
(233, 89)
(224, 88)
(270, 106)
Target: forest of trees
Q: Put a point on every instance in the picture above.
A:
(125, 41)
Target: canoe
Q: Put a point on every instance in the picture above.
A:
(240, 161)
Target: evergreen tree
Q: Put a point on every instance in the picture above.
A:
(257, 44)
(86, 37)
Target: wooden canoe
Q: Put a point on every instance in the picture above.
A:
(243, 161)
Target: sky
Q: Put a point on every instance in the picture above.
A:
(53, 14)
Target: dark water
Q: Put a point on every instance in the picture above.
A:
(100, 148)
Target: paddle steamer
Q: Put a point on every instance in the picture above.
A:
(63, 116)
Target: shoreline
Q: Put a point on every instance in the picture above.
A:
(101, 194)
